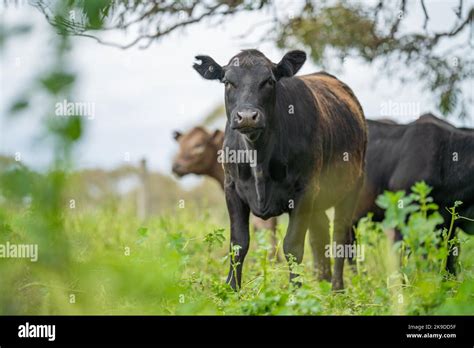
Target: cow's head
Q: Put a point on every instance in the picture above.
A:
(250, 81)
(197, 151)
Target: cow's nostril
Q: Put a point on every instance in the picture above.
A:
(239, 117)
(254, 116)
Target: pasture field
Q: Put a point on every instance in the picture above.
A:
(105, 261)
(97, 256)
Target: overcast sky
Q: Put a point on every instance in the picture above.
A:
(141, 96)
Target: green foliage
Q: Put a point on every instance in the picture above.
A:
(397, 207)
(334, 30)
(344, 27)
(416, 217)
(18, 106)
(67, 129)
(177, 265)
(95, 11)
(142, 231)
(39, 197)
(419, 278)
(57, 81)
(214, 239)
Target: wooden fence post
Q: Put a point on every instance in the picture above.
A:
(144, 199)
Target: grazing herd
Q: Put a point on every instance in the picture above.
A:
(313, 150)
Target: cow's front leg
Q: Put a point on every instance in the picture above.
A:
(293, 244)
(239, 235)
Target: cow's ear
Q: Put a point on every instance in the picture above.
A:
(290, 64)
(217, 138)
(177, 135)
(208, 68)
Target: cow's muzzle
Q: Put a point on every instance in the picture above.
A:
(248, 120)
(178, 170)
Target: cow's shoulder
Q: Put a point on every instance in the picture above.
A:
(430, 119)
(430, 128)
(423, 137)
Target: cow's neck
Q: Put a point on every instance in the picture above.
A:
(264, 147)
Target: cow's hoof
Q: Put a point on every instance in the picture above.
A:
(337, 285)
(323, 273)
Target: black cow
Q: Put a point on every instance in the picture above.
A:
(428, 149)
(309, 134)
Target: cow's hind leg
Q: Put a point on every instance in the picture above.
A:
(319, 240)
(293, 244)
(274, 239)
(342, 226)
(351, 259)
(269, 225)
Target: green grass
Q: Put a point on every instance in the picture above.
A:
(107, 262)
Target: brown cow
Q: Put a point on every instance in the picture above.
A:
(198, 155)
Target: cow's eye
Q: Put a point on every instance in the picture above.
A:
(268, 82)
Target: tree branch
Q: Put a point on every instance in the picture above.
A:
(209, 9)
(400, 16)
(455, 30)
(425, 11)
(458, 12)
